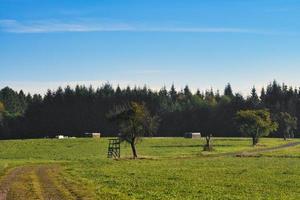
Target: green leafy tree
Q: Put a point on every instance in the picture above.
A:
(287, 124)
(255, 123)
(2, 109)
(135, 122)
(77, 110)
(15, 103)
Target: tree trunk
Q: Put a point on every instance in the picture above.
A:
(285, 134)
(255, 137)
(292, 135)
(134, 154)
(254, 140)
(284, 137)
(208, 146)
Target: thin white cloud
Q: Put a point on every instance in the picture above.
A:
(50, 26)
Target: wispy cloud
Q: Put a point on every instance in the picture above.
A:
(50, 26)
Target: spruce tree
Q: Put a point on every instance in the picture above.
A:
(228, 91)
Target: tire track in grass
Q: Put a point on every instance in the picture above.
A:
(51, 189)
(245, 153)
(18, 184)
(23, 187)
(8, 180)
(36, 185)
(257, 151)
(43, 182)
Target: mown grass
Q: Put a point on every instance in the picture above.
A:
(291, 152)
(172, 168)
(95, 149)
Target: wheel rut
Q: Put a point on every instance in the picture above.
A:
(43, 182)
(257, 151)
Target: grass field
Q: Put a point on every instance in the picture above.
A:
(169, 168)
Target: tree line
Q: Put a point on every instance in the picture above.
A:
(75, 111)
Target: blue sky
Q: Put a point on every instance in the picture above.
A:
(202, 43)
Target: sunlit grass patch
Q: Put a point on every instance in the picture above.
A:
(168, 168)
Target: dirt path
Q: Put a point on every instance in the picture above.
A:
(257, 151)
(36, 182)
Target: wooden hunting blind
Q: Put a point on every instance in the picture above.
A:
(113, 148)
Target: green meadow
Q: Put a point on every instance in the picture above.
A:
(167, 168)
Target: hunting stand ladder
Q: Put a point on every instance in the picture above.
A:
(113, 148)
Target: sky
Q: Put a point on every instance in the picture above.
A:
(201, 43)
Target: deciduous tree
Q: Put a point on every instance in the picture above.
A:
(255, 123)
(135, 122)
(287, 124)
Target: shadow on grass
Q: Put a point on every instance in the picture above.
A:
(138, 158)
(190, 146)
(233, 139)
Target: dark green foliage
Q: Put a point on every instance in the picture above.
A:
(255, 123)
(135, 122)
(74, 111)
(228, 91)
(15, 103)
(173, 93)
(13, 107)
(2, 110)
(253, 100)
(287, 124)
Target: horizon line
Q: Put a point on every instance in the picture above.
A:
(30, 87)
